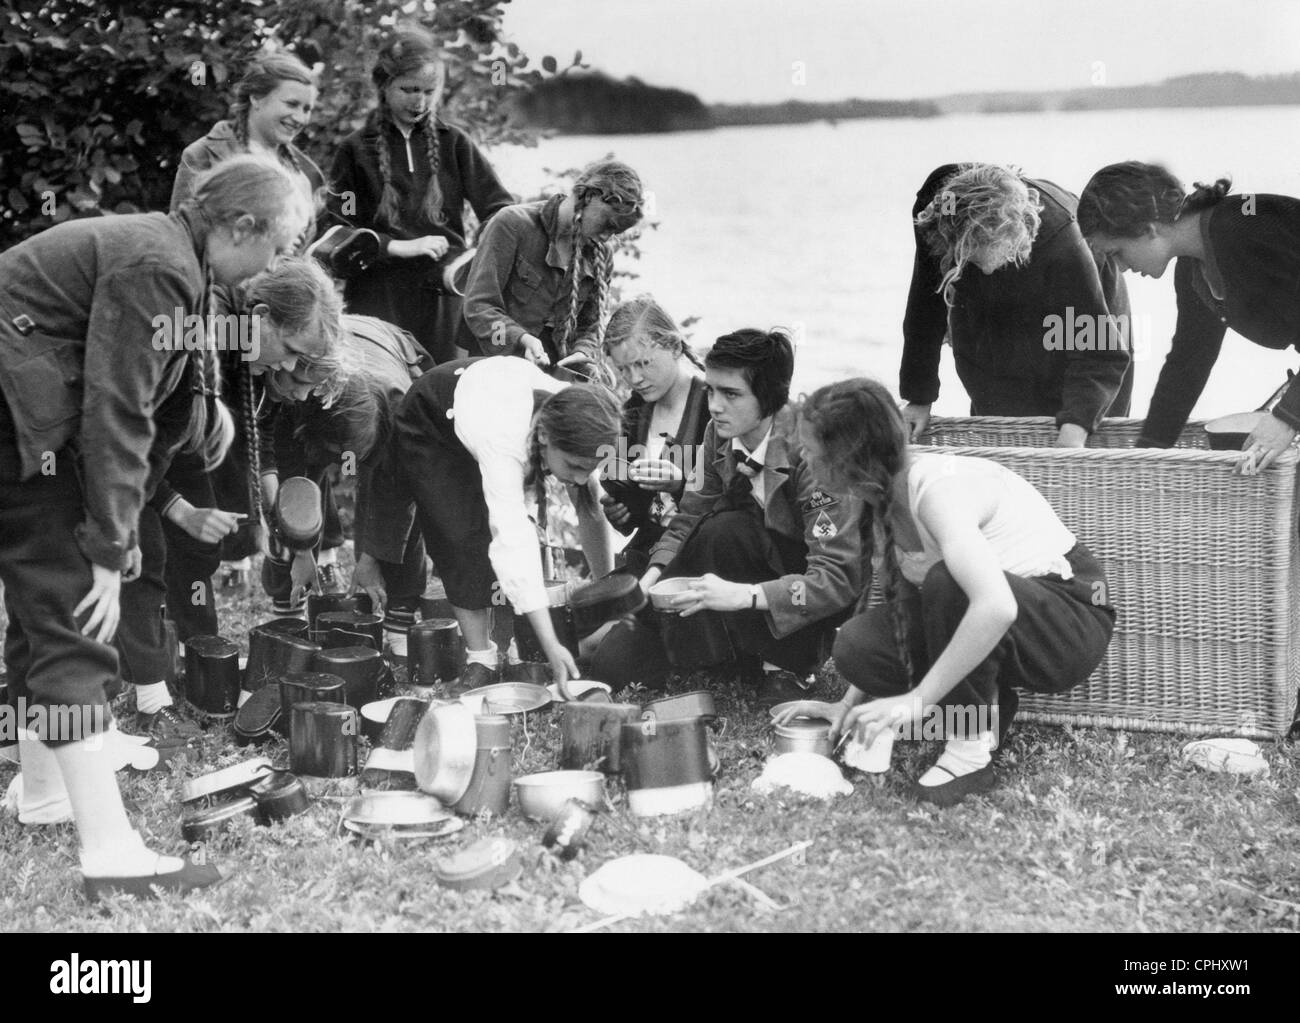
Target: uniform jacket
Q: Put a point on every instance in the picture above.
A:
(996, 325)
(829, 526)
(93, 367)
(464, 174)
(221, 143)
(1253, 249)
(518, 283)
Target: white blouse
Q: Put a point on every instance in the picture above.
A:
(493, 412)
(1024, 532)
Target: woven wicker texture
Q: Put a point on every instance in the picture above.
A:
(1202, 567)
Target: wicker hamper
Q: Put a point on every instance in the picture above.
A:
(1202, 567)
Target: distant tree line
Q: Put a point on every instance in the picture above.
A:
(797, 112)
(591, 102)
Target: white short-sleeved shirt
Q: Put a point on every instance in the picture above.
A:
(493, 413)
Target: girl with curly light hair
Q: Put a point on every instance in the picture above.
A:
(1037, 327)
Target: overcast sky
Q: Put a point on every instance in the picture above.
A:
(757, 50)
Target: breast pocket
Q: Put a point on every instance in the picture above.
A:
(46, 387)
(525, 281)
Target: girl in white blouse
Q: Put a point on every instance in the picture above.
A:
(985, 590)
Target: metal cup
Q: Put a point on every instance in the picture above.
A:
(323, 740)
(435, 652)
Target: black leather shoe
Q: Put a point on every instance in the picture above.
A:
(190, 877)
(779, 687)
(166, 727)
(474, 676)
(950, 793)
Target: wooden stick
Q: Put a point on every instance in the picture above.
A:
(1260, 895)
(757, 894)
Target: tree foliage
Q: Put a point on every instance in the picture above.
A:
(97, 100)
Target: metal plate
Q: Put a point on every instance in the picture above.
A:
(507, 698)
(228, 779)
(395, 809)
(405, 833)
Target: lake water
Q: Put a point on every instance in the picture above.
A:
(807, 226)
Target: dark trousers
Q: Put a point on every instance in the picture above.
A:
(141, 645)
(1060, 635)
(452, 516)
(735, 546)
(49, 662)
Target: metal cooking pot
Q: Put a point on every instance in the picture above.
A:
(446, 746)
(605, 600)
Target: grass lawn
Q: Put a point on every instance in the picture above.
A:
(1088, 830)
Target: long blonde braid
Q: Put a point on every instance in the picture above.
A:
(564, 343)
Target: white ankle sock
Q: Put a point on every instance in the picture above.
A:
(960, 757)
(129, 858)
(151, 699)
(37, 795)
(768, 666)
(329, 557)
(487, 658)
(512, 654)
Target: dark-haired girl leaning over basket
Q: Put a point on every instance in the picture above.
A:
(407, 175)
(1238, 266)
(539, 285)
(985, 590)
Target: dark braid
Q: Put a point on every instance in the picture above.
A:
(433, 193)
(388, 214)
(893, 576)
(864, 450)
(252, 448)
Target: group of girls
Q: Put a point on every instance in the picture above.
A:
(986, 589)
(111, 453)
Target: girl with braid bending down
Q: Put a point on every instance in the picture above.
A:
(539, 285)
(985, 590)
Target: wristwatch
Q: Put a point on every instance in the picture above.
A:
(754, 591)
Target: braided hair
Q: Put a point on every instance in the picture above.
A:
(1121, 200)
(864, 444)
(583, 420)
(644, 319)
(596, 257)
(407, 51)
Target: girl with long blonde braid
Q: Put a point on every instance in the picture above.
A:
(540, 282)
(407, 175)
(986, 591)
